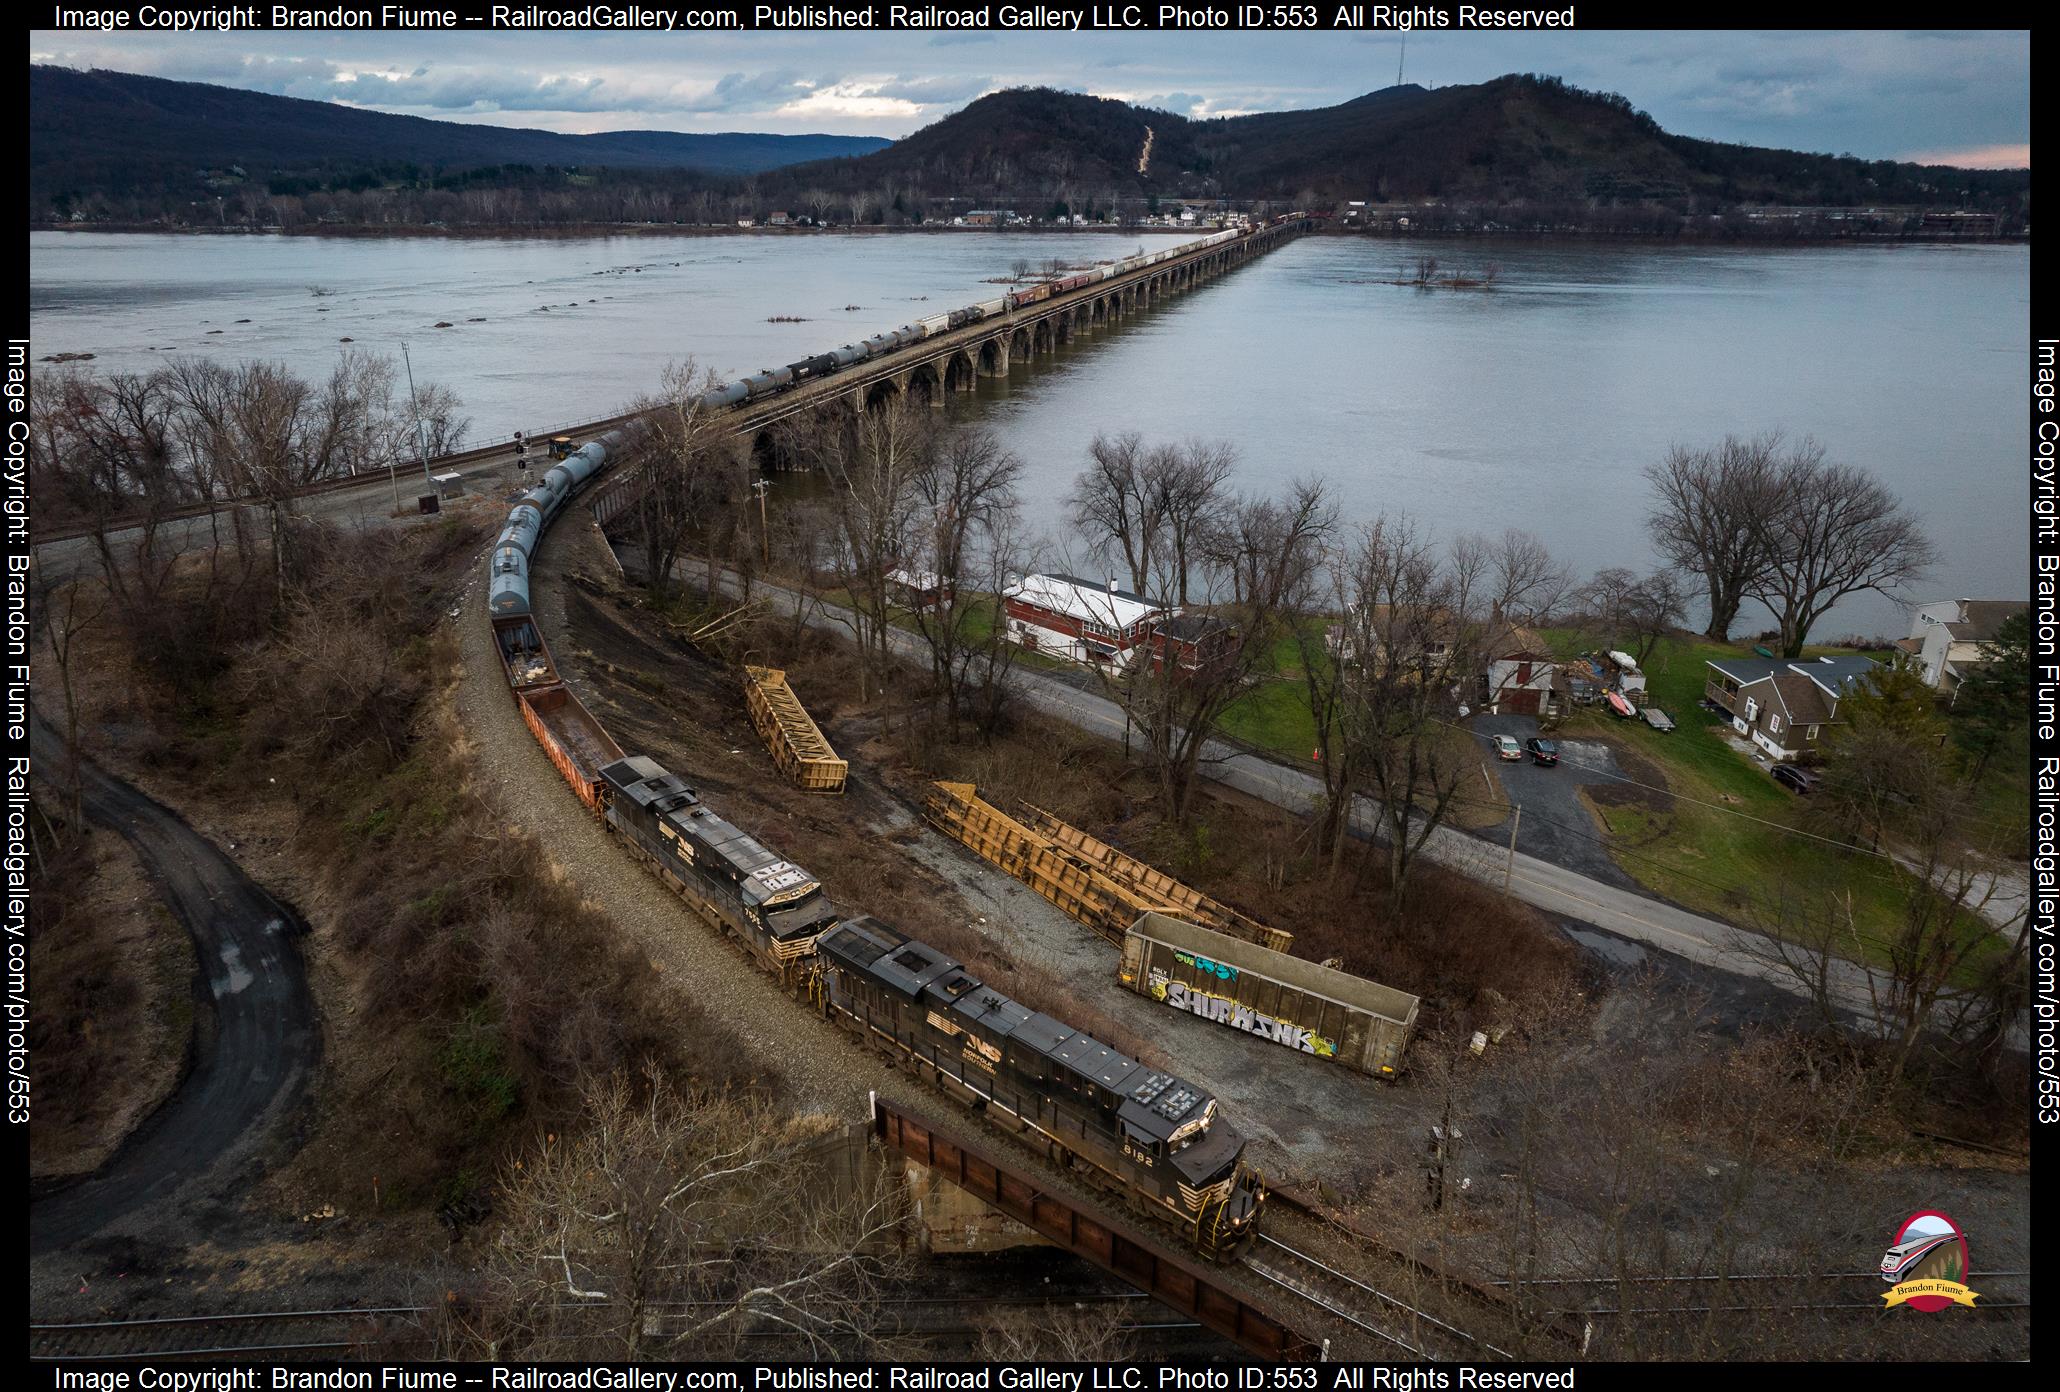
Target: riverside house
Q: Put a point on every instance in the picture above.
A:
(1783, 707)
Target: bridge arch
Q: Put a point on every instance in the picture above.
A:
(923, 384)
(883, 392)
(959, 372)
(1043, 337)
(1019, 345)
(993, 355)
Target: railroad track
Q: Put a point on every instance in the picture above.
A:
(1393, 1321)
(277, 1336)
(399, 1331)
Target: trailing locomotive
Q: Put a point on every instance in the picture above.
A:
(777, 908)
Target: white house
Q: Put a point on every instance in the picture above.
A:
(1948, 636)
(1079, 620)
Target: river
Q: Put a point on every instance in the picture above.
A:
(1532, 405)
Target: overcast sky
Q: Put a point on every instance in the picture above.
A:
(1955, 98)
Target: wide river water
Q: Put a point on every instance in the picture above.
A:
(1534, 405)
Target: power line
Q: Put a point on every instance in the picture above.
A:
(1713, 806)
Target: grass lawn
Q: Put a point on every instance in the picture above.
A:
(1707, 857)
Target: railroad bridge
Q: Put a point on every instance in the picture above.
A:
(938, 367)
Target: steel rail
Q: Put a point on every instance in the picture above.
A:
(1428, 1318)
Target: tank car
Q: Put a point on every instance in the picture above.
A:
(507, 583)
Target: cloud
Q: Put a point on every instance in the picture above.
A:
(1978, 157)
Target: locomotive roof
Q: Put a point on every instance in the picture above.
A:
(1153, 1104)
(645, 782)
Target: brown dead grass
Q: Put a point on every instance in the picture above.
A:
(114, 1000)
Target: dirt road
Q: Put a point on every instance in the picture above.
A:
(255, 1045)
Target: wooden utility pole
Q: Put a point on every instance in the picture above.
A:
(760, 486)
(1509, 868)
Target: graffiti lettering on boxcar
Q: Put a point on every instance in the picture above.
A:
(1225, 1011)
(1222, 970)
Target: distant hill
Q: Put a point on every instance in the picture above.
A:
(116, 147)
(103, 131)
(1514, 139)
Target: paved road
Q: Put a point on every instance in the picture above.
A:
(1554, 889)
(367, 503)
(255, 1047)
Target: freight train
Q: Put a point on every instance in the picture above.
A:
(773, 380)
(508, 586)
(1148, 1135)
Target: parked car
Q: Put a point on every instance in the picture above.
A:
(1507, 747)
(1542, 751)
(1659, 720)
(1797, 779)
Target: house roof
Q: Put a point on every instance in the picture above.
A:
(1833, 674)
(1801, 699)
(1980, 618)
(1192, 628)
(1083, 599)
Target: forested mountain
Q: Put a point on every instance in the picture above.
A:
(116, 147)
(114, 133)
(1515, 139)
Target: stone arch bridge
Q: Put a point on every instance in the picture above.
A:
(950, 363)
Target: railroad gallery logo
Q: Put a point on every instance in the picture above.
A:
(1926, 1265)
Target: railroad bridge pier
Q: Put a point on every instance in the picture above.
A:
(956, 364)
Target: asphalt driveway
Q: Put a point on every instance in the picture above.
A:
(1556, 827)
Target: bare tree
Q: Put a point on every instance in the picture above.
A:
(1074, 1334)
(691, 468)
(1416, 635)
(967, 492)
(646, 1233)
(1621, 609)
(66, 615)
(1118, 507)
(1525, 582)
(875, 460)
(1836, 531)
(1710, 515)
(1183, 487)
(1260, 566)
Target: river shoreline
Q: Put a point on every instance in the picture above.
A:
(578, 231)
